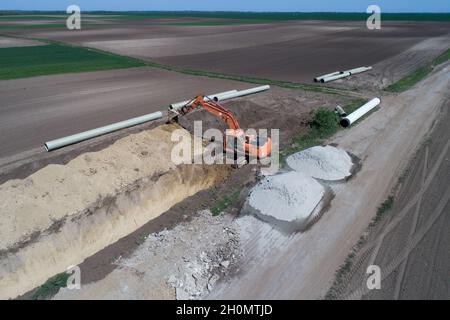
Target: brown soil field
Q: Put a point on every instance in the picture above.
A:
(294, 51)
(214, 42)
(36, 110)
(310, 53)
(126, 29)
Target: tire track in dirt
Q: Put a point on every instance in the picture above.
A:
(404, 265)
(391, 223)
(394, 264)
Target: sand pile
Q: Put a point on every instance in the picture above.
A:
(325, 163)
(288, 197)
(62, 214)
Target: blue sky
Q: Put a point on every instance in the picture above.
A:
(234, 5)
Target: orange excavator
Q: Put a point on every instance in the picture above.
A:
(252, 145)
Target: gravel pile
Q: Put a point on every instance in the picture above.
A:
(325, 163)
(287, 197)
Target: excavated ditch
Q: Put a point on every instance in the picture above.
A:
(63, 214)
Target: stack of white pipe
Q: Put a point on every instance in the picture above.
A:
(336, 77)
(223, 96)
(358, 113)
(317, 79)
(340, 74)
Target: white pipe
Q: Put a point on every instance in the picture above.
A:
(317, 79)
(359, 70)
(336, 77)
(340, 111)
(358, 113)
(179, 105)
(62, 142)
(241, 93)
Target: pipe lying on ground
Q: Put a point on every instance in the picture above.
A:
(336, 77)
(340, 111)
(65, 141)
(359, 70)
(62, 142)
(179, 105)
(358, 113)
(341, 74)
(240, 93)
(317, 79)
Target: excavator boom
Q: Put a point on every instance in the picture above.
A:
(252, 145)
(214, 108)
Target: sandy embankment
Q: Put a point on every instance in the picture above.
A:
(62, 214)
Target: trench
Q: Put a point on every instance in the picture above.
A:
(75, 236)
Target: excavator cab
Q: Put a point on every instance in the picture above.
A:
(258, 146)
(246, 147)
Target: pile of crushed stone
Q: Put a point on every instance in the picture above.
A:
(183, 263)
(287, 197)
(325, 163)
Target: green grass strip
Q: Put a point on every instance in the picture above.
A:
(384, 208)
(279, 16)
(225, 203)
(413, 78)
(22, 62)
(50, 287)
(442, 58)
(274, 16)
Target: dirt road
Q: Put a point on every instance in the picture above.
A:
(410, 245)
(303, 265)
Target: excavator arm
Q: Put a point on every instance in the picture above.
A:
(212, 107)
(252, 145)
